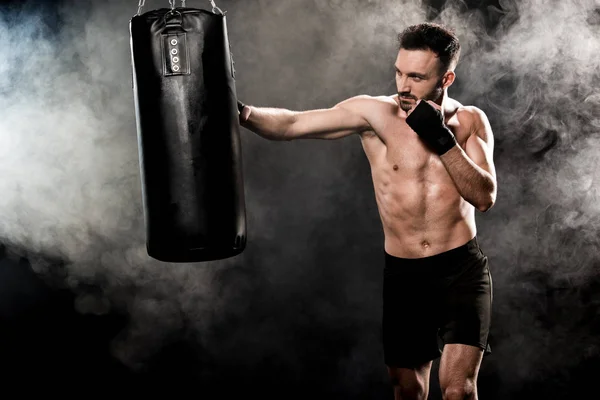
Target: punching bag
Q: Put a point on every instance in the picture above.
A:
(188, 134)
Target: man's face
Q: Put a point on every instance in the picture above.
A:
(417, 77)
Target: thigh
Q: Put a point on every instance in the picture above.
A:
(411, 383)
(459, 363)
(409, 346)
(468, 305)
(410, 322)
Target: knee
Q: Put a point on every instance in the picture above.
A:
(411, 392)
(465, 390)
(409, 386)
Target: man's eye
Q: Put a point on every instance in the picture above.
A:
(416, 78)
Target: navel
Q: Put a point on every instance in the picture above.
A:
(395, 167)
(425, 244)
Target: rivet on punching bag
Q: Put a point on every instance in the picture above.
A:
(188, 134)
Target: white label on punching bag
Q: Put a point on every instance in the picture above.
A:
(175, 54)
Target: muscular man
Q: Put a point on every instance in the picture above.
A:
(432, 165)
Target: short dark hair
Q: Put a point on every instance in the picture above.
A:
(437, 38)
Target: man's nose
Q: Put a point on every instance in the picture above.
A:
(403, 85)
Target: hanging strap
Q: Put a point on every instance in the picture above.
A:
(215, 9)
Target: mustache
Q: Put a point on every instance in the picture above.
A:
(407, 96)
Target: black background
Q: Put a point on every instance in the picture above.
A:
(296, 315)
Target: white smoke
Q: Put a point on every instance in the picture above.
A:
(70, 183)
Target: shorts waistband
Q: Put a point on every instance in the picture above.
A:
(467, 250)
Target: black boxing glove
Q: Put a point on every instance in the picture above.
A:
(428, 123)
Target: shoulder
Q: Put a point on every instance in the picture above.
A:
(369, 106)
(470, 112)
(367, 100)
(476, 120)
(387, 101)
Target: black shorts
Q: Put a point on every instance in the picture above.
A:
(445, 297)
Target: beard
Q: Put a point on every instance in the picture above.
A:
(434, 95)
(405, 105)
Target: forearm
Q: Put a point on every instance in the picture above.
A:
(475, 185)
(270, 123)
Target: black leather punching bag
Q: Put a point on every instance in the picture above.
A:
(188, 135)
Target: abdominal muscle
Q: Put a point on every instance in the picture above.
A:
(422, 218)
(421, 210)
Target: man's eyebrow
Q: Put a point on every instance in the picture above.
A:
(418, 75)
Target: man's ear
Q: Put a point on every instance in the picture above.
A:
(448, 79)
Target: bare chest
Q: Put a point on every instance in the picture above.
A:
(398, 149)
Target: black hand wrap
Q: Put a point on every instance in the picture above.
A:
(240, 106)
(428, 123)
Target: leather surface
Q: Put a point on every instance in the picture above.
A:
(188, 135)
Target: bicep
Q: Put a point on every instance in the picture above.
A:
(480, 144)
(339, 121)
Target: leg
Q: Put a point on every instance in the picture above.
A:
(410, 326)
(465, 334)
(459, 367)
(411, 383)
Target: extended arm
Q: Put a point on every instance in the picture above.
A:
(473, 170)
(341, 120)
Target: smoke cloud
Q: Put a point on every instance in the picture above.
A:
(310, 278)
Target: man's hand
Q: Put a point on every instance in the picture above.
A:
(244, 111)
(427, 120)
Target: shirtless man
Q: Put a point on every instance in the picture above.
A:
(432, 165)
